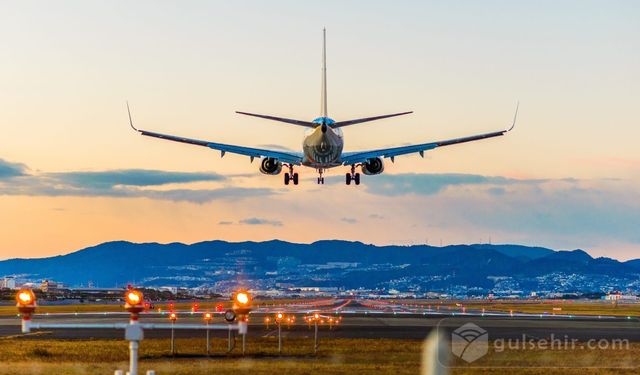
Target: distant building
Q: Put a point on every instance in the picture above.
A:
(618, 296)
(50, 286)
(8, 282)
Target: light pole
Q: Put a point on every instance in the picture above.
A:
(173, 317)
(279, 317)
(315, 340)
(134, 304)
(207, 319)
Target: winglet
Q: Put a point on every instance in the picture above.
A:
(131, 121)
(515, 116)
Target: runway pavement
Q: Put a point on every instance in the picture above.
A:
(359, 319)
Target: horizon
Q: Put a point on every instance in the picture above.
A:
(325, 240)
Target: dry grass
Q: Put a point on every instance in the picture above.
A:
(336, 356)
(567, 307)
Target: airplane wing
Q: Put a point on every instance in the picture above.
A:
(285, 157)
(350, 158)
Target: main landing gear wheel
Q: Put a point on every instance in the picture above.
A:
(353, 176)
(291, 178)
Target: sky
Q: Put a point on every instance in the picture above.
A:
(73, 174)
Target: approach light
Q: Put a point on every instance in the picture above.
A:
(208, 316)
(134, 303)
(173, 317)
(133, 297)
(242, 298)
(279, 316)
(316, 316)
(242, 302)
(26, 305)
(25, 297)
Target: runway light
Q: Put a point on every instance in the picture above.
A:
(25, 297)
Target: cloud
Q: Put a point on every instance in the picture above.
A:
(259, 221)
(132, 177)
(123, 183)
(349, 220)
(429, 184)
(9, 170)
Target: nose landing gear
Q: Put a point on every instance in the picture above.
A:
(290, 176)
(353, 176)
(320, 179)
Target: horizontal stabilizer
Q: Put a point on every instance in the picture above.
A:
(282, 119)
(367, 119)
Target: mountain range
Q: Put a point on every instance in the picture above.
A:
(221, 265)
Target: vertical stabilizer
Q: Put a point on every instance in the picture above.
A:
(323, 104)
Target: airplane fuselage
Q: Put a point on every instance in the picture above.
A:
(322, 145)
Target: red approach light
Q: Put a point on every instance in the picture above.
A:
(25, 297)
(195, 307)
(219, 307)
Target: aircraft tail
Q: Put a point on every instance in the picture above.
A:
(367, 119)
(281, 119)
(323, 94)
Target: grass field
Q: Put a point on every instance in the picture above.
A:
(336, 356)
(568, 307)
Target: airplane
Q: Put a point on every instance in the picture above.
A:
(323, 143)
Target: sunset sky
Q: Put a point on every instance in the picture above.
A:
(73, 174)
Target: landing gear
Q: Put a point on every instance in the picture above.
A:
(320, 179)
(353, 176)
(291, 176)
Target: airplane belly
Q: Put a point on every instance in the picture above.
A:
(322, 150)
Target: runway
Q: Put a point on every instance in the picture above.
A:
(358, 319)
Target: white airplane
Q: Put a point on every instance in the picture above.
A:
(323, 143)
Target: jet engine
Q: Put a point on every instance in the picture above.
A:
(373, 166)
(270, 166)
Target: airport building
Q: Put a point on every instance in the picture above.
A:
(8, 282)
